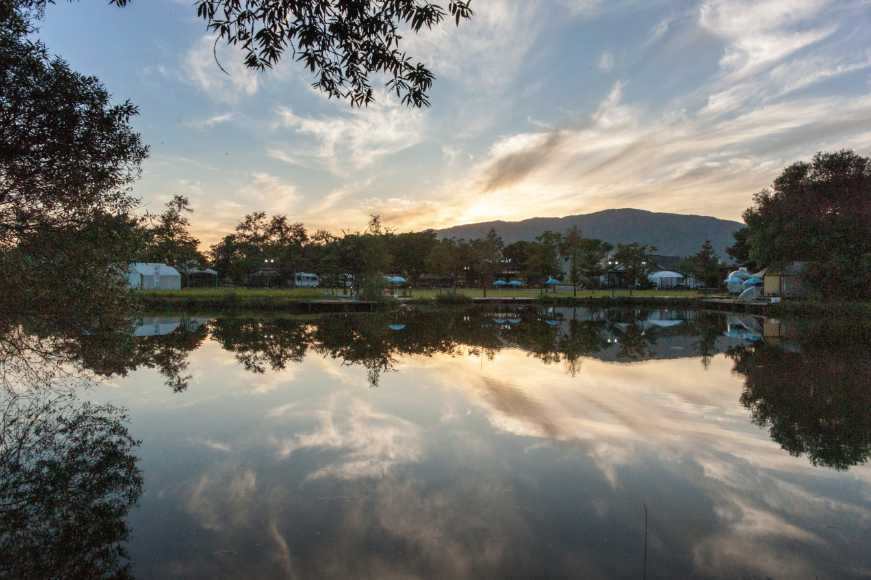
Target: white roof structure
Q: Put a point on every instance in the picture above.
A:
(153, 276)
(153, 269)
(663, 274)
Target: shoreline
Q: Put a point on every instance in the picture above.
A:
(283, 301)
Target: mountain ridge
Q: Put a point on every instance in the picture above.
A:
(673, 234)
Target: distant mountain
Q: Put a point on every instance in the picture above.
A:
(672, 234)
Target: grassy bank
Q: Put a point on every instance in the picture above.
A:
(294, 298)
(220, 299)
(302, 300)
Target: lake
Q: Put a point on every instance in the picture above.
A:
(468, 443)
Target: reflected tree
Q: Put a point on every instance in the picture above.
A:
(815, 400)
(584, 338)
(707, 327)
(263, 344)
(68, 478)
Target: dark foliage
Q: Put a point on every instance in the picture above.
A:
(68, 478)
(818, 212)
(814, 400)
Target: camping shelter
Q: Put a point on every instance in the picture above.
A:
(786, 281)
(153, 276)
(665, 279)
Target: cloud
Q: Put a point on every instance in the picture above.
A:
(493, 45)
(370, 443)
(273, 193)
(355, 139)
(200, 69)
(759, 34)
(619, 157)
(211, 121)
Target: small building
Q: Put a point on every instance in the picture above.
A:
(197, 277)
(153, 276)
(786, 281)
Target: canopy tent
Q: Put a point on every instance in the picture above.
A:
(515, 283)
(551, 281)
(665, 279)
(753, 281)
(395, 280)
(153, 276)
(735, 280)
(500, 283)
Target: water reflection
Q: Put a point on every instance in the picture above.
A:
(500, 443)
(68, 478)
(810, 387)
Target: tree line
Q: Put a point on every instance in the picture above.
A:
(269, 250)
(818, 213)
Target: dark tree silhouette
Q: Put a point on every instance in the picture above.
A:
(68, 477)
(818, 212)
(68, 157)
(814, 402)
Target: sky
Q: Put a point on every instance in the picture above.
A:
(540, 108)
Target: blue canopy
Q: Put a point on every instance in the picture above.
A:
(515, 283)
(395, 280)
(500, 282)
(550, 322)
(396, 326)
(753, 281)
(551, 281)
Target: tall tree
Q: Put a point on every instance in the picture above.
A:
(544, 255)
(819, 212)
(635, 260)
(706, 265)
(740, 250)
(366, 257)
(169, 239)
(591, 257)
(285, 245)
(570, 249)
(410, 250)
(486, 255)
(445, 260)
(517, 254)
(68, 158)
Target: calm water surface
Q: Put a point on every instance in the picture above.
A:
(562, 443)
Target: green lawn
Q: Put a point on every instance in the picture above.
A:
(242, 293)
(535, 293)
(282, 294)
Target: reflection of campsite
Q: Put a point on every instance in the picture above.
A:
(163, 325)
(377, 340)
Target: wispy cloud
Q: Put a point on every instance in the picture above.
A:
(200, 68)
(211, 121)
(355, 139)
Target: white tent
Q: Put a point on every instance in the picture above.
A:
(665, 279)
(153, 276)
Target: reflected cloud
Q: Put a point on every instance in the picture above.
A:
(370, 444)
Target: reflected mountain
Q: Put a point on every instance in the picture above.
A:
(68, 478)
